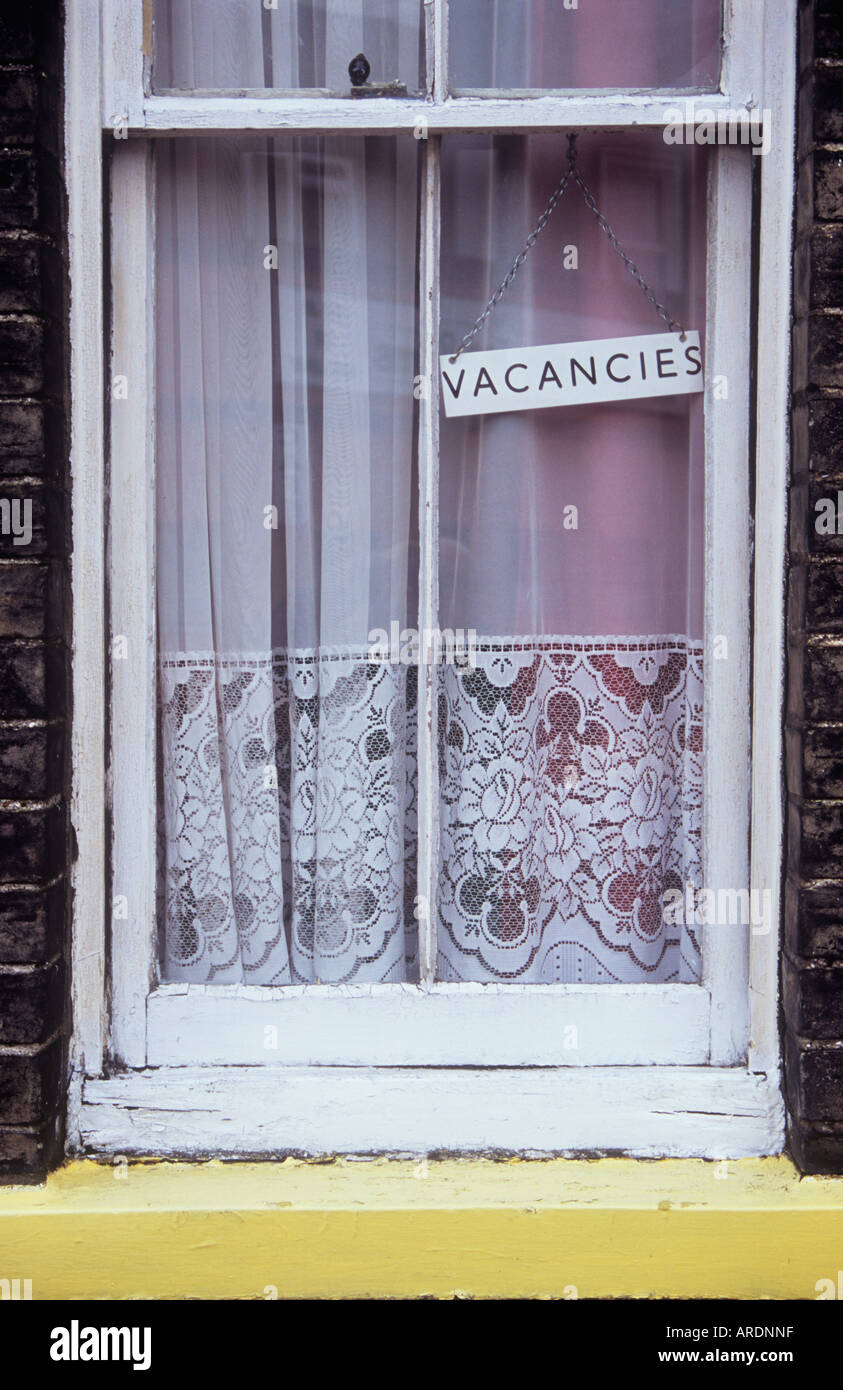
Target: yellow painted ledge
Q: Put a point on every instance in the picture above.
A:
(610, 1228)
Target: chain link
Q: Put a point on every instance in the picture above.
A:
(591, 204)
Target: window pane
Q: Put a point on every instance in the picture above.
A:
(232, 44)
(572, 543)
(601, 43)
(287, 518)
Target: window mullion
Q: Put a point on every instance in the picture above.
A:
(441, 33)
(127, 34)
(428, 803)
(743, 51)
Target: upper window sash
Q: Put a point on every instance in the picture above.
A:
(128, 105)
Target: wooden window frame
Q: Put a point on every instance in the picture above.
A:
(406, 1068)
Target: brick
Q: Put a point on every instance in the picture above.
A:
(23, 682)
(26, 1155)
(819, 188)
(815, 848)
(31, 598)
(822, 762)
(32, 439)
(23, 762)
(19, 106)
(824, 597)
(30, 1005)
(32, 923)
(828, 30)
(32, 680)
(818, 352)
(828, 186)
(816, 528)
(822, 681)
(18, 31)
(820, 108)
(816, 1148)
(31, 761)
(22, 353)
(33, 844)
(30, 277)
(818, 270)
(818, 437)
(30, 355)
(29, 109)
(814, 1073)
(813, 1000)
(29, 1084)
(30, 191)
(814, 919)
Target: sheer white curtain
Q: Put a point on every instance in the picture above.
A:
(231, 44)
(286, 289)
(597, 43)
(572, 542)
(285, 505)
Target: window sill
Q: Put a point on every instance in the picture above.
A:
(264, 1112)
(607, 1228)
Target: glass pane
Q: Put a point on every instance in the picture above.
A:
(572, 545)
(600, 43)
(233, 44)
(286, 533)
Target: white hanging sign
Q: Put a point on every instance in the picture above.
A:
(607, 369)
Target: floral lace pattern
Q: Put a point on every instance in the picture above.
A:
(288, 818)
(571, 790)
(571, 794)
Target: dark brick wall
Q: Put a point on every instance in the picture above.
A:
(34, 607)
(813, 957)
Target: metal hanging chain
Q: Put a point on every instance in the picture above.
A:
(571, 172)
(591, 203)
(519, 260)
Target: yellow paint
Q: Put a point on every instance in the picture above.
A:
(608, 1228)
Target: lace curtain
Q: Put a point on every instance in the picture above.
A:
(570, 771)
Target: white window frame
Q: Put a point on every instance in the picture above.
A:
(174, 1069)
